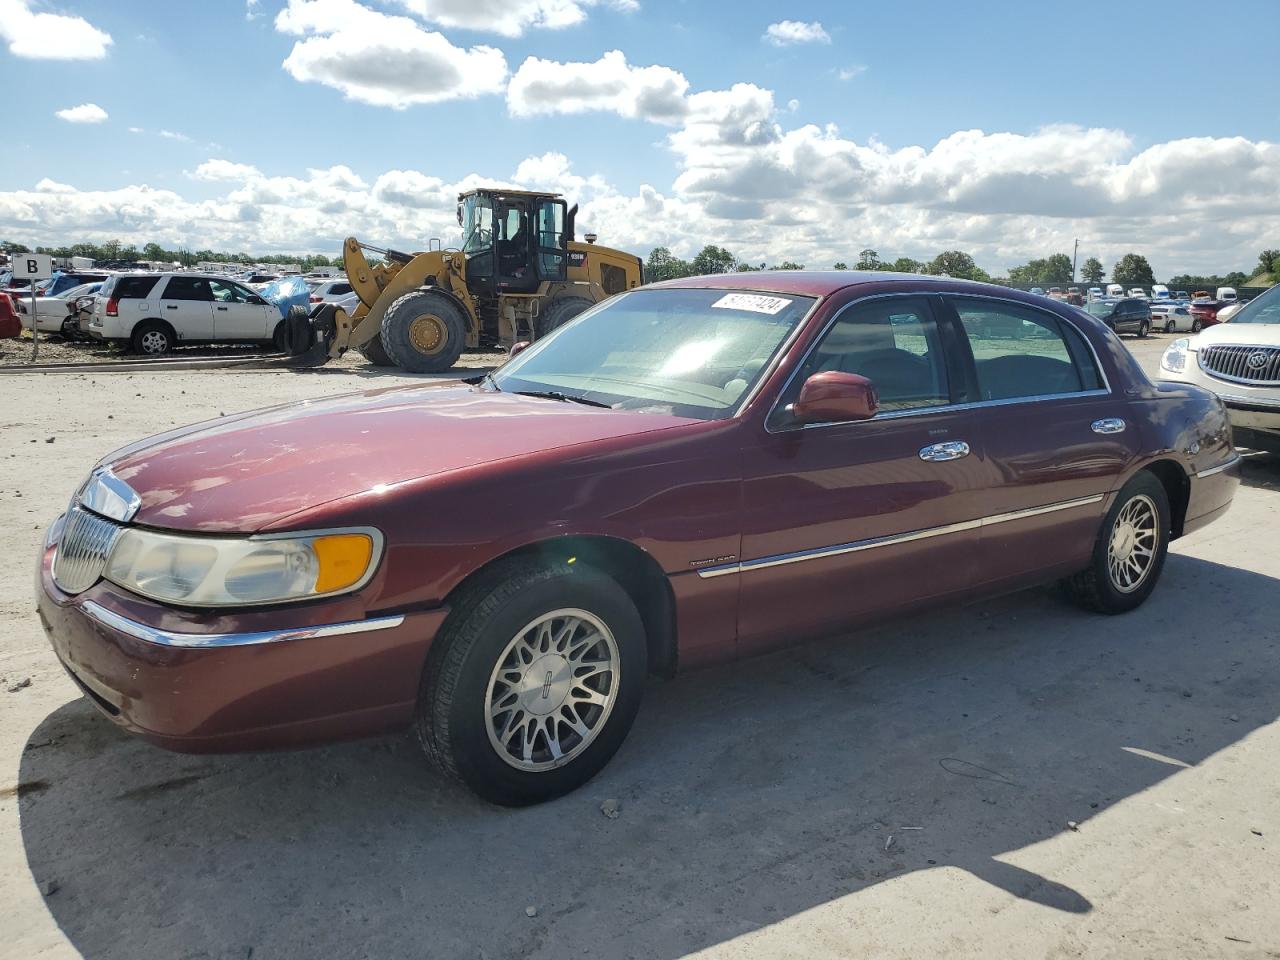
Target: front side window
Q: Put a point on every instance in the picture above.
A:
(477, 224)
(551, 237)
(225, 292)
(687, 352)
(894, 343)
(1020, 352)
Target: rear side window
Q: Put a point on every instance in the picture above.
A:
(129, 288)
(340, 289)
(188, 288)
(1020, 352)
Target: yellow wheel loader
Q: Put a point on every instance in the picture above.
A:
(519, 274)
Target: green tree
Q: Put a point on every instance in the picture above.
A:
(957, 263)
(713, 259)
(788, 265)
(8, 246)
(907, 265)
(1055, 269)
(1235, 279)
(664, 265)
(1267, 259)
(868, 260)
(839, 265)
(1133, 270)
(1092, 271)
(745, 267)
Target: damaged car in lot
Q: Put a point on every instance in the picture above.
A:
(685, 473)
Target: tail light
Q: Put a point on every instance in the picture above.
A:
(315, 299)
(113, 307)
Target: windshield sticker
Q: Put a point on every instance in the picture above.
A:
(753, 302)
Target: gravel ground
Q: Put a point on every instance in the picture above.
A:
(1012, 778)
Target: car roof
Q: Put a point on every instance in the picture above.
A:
(821, 283)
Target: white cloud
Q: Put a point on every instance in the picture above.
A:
(849, 73)
(50, 36)
(610, 83)
(388, 61)
(172, 135)
(215, 169)
(53, 186)
(85, 113)
(251, 10)
(509, 18)
(787, 33)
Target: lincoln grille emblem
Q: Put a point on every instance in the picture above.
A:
(546, 686)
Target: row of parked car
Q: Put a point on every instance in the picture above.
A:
(154, 312)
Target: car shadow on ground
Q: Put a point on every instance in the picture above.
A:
(1259, 468)
(748, 794)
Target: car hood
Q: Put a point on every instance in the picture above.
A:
(245, 472)
(1265, 334)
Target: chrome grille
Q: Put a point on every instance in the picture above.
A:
(86, 544)
(1242, 364)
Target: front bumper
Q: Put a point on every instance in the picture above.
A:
(247, 681)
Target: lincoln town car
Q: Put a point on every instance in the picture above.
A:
(687, 473)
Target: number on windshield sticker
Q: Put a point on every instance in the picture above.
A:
(754, 302)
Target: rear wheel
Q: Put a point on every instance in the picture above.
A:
(152, 338)
(1196, 325)
(1144, 329)
(534, 681)
(424, 331)
(559, 313)
(1169, 326)
(70, 328)
(1130, 551)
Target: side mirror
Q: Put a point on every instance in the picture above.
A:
(518, 347)
(835, 397)
(258, 300)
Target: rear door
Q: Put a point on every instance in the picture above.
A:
(186, 304)
(236, 316)
(1056, 438)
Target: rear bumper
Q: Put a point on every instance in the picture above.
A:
(1212, 490)
(266, 680)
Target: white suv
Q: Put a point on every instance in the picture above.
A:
(155, 312)
(1240, 362)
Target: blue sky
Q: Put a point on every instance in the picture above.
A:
(1127, 87)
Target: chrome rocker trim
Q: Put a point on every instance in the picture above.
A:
(1214, 471)
(169, 638)
(819, 553)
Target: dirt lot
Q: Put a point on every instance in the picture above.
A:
(908, 792)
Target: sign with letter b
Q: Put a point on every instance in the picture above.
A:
(31, 266)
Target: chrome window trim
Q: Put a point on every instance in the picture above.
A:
(1214, 471)
(856, 546)
(1105, 390)
(171, 638)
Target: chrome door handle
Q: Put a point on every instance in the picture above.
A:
(951, 450)
(223, 309)
(1107, 425)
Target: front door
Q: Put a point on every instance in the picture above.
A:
(846, 521)
(237, 317)
(1056, 437)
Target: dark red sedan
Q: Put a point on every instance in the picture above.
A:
(686, 473)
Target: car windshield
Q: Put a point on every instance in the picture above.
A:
(477, 224)
(687, 352)
(1263, 309)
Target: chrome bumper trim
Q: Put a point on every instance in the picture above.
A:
(169, 638)
(1230, 398)
(819, 553)
(1213, 471)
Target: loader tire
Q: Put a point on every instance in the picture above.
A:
(376, 353)
(424, 331)
(559, 313)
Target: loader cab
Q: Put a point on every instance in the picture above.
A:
(513, 241)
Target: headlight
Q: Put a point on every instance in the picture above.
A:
(230, 572)
(1175, 357)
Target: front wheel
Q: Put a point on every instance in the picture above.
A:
(1196, 326)
(1170, 327)
(1143, 329)
(1130, 551)
(424, 331)
(534, 682)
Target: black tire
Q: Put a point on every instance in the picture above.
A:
(1196, 325)
(559, 313)
(452, 716)
(1144, 329)
(152, 338)
(70, 329)
(376, 353)
(424, 331)
(1169, 327)
(1095, 588)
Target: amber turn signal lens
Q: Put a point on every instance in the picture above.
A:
(344, 559)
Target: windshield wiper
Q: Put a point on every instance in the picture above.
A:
(564, 398)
